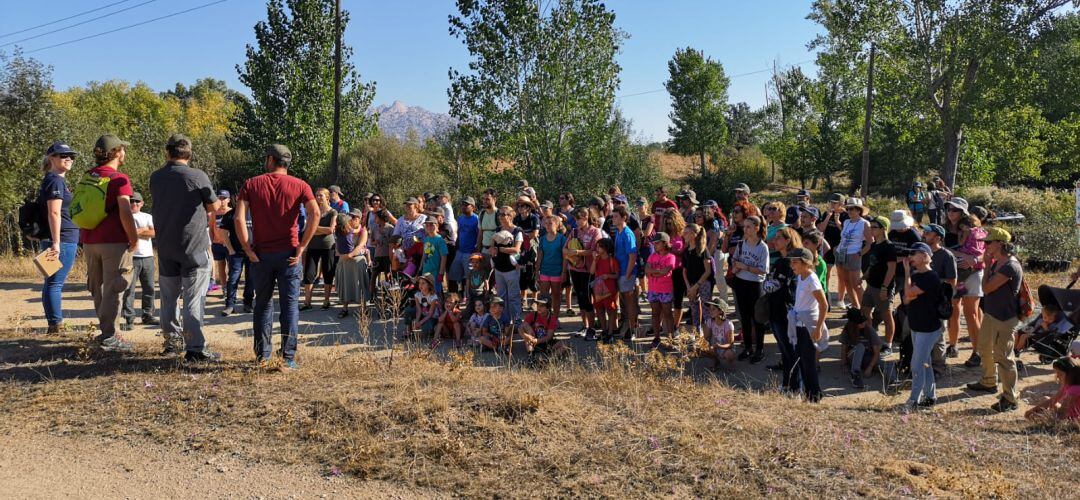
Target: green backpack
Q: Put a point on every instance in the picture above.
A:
(88, 201)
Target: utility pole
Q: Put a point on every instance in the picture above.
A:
(335, 174)
(864, 188)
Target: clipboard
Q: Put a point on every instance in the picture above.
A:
(46, 265)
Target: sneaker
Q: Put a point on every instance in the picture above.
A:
(590, 334)
(127, 325)
(116, 344)
(227, 311)
(629, 335)
(248, 309)
(978, 387)
(974, 361)
(1003, 406)
(951, 352)
(757, 357)
(927, 403)
(857, 382)
(149, 320)
(203, 356)
(305, 307)
(886, 351)
(289, 365)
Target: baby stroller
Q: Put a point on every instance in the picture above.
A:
(1056, 344)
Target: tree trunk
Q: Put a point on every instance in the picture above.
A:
(952, 136)
(864, 181)
(704, 167)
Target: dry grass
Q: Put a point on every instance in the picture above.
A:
(15, 267)
(626, 429)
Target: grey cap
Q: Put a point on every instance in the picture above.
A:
(800, 254)
(495, 300)
(411, 201)
(176, 140)
(547, 204)
(356, 212)
(468, 200)
(661, 236)
(109, 142)
(741, 187)
(336, 190)
(137, 196)
(959, 203)
(279, 152)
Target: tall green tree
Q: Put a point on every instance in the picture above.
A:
(699, 95)
(290, 73)
(538, 82)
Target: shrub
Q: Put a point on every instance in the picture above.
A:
(747, 165)
(1055, 204)
(1043, 237)
(394, 169)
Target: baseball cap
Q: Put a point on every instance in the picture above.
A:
(922, 247)
(468, 200)
(803, 192)
(411, 201)
(997, 234)
(495, 300)
(223, 193)
(177, 140)
(883, 222)
(836, 197)
(661, 236)
(109, 142)
(934, 228)
(619, 198)
(641, 201)
(356, 212)
(711, 203)
(335, 189)
(547, 204)
(136, 196)
(800, 254)
(741, 187)
(279, 152)
(812, 210)
(431, 217)
(59, 148)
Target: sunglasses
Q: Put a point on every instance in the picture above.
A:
(66, 156)
(876, 227)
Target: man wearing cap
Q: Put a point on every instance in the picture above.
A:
(274, 199)
(184, 209)
(943, 263)
(468, 243)
(337, 202)
(108, 246)
(802, 200)
(142, 268)
(688, 204)
(916, 201)
(1001, 310)
(742, 192)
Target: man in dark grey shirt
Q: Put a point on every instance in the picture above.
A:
(184, 205)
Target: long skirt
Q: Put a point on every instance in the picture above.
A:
(352, 280)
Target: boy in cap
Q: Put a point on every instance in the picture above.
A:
(108, 247)
(435, 251)
(337, 202)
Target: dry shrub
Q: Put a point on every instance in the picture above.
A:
(631, 429)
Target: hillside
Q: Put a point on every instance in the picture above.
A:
(397, 119)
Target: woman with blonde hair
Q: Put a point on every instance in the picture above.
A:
(697, 273)
(59, 235)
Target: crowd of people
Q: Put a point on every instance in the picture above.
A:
(486, 273)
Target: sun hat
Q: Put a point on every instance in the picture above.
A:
(856, 203)
(900, 220)
(997, 234)
(526, 200)
(428, 278)
(958, 203)
(529, 191)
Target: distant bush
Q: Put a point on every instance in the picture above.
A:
(394, 169)
(1057, 205)
(747, 165)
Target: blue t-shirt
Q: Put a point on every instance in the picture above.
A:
(553, 255)
(468, 227)
(341, 207)
(571, 222)
(434, 250)
(625, 244)
(53, 187)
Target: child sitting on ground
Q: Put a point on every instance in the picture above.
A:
(493, 333)
(720, 334)
(423, 314)
(860, 347)
(538, 330)
(476, 322)
(1065, 405)
(450, 320)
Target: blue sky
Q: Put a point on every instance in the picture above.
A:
(405, 45)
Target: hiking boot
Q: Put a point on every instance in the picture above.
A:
(115, 344)
(951, 352)
(56, 329)
(127, 325)
(227, 311)
(757, 357)
(974, 361)
(978, 387)
(149, 320)
(857, 381)
(1003, 406)
(171, 349)
(203, 356)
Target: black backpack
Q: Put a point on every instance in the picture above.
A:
(32, 220)
(945, 301)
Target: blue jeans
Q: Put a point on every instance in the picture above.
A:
(272, 270)
(239, 262)
(922, 371)
(509, 285)
(54, 285)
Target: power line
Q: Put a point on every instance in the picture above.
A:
(148, 21)
(73, 16)
(766, 70)
(80, 23)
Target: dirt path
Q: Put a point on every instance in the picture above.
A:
(44, 466)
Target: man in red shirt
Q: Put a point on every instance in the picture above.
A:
(108, 247)
(274, 199)
(661, 204)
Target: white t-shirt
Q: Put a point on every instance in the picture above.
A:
(852, 234)
(145, 248)
(804, 294)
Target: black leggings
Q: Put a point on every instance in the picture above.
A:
(580, 281)
(678, 290)
(319, 260)
(746, 296)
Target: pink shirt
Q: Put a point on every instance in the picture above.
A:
(661, 284)
(1073, 412)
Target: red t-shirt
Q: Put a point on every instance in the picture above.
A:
(274, 201)
(546, 323)
(667, 205)
(111, 230)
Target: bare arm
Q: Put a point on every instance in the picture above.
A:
(823, 311)
(128, 221)
(240, 222)
(53, 207)
(312, 207)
